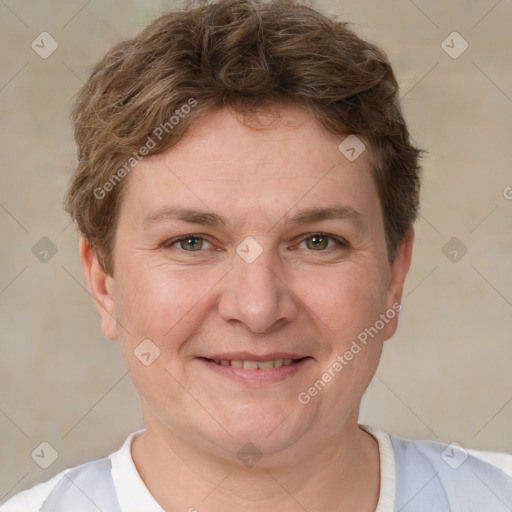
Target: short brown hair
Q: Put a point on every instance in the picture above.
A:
(244, 55)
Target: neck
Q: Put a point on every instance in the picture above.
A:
(342, 473)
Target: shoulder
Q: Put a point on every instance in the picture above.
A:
(432, 472)
(33, 498)
(76, 488)
(500, 460)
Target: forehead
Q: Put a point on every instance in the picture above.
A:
(268, 166)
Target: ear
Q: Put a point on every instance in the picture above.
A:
(399, 268)
(101, 286)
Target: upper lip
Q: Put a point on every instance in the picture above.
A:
(248, 356)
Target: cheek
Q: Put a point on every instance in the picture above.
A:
(163, 304)
(347, 301)
(165, 307)
(347, 306)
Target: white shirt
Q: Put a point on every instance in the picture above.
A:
(134, 496)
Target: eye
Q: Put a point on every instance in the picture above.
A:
(321, 241)
(190, 243)
(318, 242)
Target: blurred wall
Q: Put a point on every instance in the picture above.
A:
(446, 373)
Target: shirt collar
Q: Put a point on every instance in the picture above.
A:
(134, 496)
(132, 493)
(387, 469)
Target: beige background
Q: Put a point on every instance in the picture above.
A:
(445, 375)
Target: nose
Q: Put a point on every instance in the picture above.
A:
(257, 295)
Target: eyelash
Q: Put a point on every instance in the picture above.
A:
(340, 242)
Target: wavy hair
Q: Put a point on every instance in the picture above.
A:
(245, 55)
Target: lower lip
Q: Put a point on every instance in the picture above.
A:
(257, 377)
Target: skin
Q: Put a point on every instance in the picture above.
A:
(292, 298)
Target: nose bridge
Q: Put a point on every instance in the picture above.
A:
(254, 293)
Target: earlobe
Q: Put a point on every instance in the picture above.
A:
(399, 269)
(101, 286)
(400, 266)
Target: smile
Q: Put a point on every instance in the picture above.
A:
(255, 365)
(257, 372)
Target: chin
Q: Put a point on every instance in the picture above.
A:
(264, 429)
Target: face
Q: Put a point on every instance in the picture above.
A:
(252, 259)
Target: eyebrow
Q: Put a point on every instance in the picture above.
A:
(318, 214)
(303, 216)
(185, 215)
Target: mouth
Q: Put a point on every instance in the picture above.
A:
(249, 364)
(257, 370)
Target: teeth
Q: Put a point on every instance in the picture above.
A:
(255, 365)
(265, 365)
